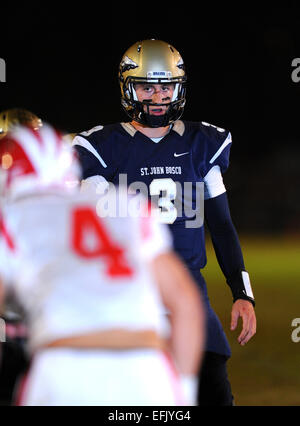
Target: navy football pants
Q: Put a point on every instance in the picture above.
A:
(214, 386)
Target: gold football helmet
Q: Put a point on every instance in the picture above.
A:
(15, 116)
(156, 62)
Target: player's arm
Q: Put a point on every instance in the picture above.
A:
(182, 298)
(230, 258)
(223, 233)
(186, 314)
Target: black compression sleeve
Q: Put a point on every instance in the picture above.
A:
(227, 246)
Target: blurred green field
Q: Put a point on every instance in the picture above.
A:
(266, 371)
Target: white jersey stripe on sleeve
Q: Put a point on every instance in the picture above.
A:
(79, 140)
(227, 141)
(213, 183)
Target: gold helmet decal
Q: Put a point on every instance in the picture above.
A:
(152, 61)
(15, 116)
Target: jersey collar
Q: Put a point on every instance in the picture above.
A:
(178, 127)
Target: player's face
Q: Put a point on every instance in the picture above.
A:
(156, 94)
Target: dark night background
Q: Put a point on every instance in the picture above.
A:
(63, 67)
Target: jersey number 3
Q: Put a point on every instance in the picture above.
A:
(167, 187)
(85, 222)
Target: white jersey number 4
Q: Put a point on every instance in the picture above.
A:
(85, 221)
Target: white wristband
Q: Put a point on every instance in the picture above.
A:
(189, 385)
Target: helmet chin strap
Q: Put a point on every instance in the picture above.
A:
(154, 120)
(136, 109)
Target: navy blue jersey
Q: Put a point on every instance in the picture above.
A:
(191, 153)
(186, 156)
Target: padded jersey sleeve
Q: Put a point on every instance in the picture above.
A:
(95, 152)
(218, 144)
(216, 159)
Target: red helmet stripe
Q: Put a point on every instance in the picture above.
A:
(21, 164)
(6, 235)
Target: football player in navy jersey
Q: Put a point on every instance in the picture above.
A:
(180, 163)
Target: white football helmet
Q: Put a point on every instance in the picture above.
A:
(33, 160)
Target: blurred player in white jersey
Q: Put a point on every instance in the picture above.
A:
(95, 290)
(13, 360)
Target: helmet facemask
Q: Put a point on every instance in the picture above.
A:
(140, 110)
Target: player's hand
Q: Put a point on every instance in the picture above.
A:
(244, 309)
